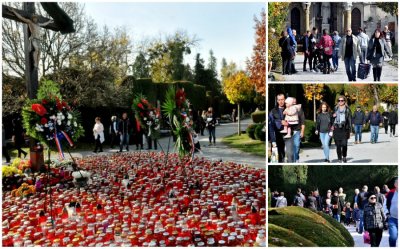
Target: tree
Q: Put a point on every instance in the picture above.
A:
(257, 66)
(166, 57)
(227, 70)
(389, 7)
(389, 94)
(141, 68)
(207, 77)
(314, 92)
(238, 88)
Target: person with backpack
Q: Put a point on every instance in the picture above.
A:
(374, 218)
(358, 123)
(374, 118)
(377, 49)
(364, 39)
(326, 43)
(341, 128)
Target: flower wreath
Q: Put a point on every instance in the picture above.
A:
(147, 115)
(50, 120)
(181, 125)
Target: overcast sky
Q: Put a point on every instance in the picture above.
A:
(226, 28)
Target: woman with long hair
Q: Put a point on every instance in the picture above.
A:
(341, 127)
(377, 49)
(211, 122)
(323, 127)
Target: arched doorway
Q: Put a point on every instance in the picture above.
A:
(295, 19)
(355, 20)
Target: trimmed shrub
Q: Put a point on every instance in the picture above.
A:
(259, 132)
(259, 116)
(309, 132)
(250, 130)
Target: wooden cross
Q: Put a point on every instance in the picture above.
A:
(61, 22)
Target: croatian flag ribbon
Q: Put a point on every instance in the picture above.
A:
(58, 137)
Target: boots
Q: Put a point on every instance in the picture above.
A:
(378, 73)
(374, 73)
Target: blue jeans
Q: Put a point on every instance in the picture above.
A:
(374, 133)
(350, 64)
(124, 140)
(335, 58)
(393, 231)
(324, 137)
(358, 132)
(337, 217)
(363, 55)
(211, 132)
(296, 145)
(361, 228)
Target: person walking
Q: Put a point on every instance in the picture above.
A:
(356, 216)
(311, 201)
(292, 144)
(393, 122)
(358, 123)
(233, 115)
(363, 39)
(326, 43)
(348, 211)
(385, 117)
(299, 199)
(203, 122)
(286, 52)
(137, 134)
(113, 131)
(293, 42)
(4, 145)
(341, 128)
(379, 196)
(377, 49)
(374, 118)
(389, 37)
(374, 218)
(281, 201)
(350, 50)
(393, 211)
(362, 201)
(275, 126)
(323, 127)
(320, 201)
(307, 51)
(336, 206)
(98, 133)
(124, 128)
(336, 48)
(211, 123)
(314, 53)
(18, 136)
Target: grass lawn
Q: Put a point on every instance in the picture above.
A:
(246, 144)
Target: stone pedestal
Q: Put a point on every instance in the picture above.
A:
(347, 16)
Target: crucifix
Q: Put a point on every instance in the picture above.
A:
(32, 46)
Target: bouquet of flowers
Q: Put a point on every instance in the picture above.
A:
(49, 119)
(147, 115)
(175, 107)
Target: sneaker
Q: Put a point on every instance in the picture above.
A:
(287, 136)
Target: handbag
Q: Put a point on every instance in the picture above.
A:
(367, 238)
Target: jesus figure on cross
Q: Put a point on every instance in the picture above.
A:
(34, 27)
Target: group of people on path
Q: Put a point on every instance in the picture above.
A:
(286, 123)
(371, 211)
(121, 129)
(320, 51)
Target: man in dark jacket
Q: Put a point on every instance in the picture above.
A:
(375, 119)
(124, 128)
(319, 199)
(362, 201)
(313, 50)
(275, 126)
(393, 122)
(359, 123)
(311, 201)
(307, 51)
(385, 117)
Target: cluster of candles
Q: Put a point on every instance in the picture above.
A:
(144, 199)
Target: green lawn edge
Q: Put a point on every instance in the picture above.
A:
(246, 144)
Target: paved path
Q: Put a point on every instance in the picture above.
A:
(359, 239)
(389, 73)
(218, 152)
(385, 151)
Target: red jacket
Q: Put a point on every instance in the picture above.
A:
(326, 43)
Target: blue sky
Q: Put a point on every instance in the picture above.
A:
(226, 28)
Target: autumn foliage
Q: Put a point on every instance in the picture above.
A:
(238, 87)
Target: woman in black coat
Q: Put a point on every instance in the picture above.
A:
(341, 128)
(286, 52)
(392, 122)
(374, 217)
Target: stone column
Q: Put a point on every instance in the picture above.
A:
(306, 8)
(325, 13)
(347, 15)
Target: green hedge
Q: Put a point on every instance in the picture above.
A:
(250, 130)
(259, 116)
(309, 131)
(259, 132)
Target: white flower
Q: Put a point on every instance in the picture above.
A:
(59, 122)
(69, 123)
(46, 125)
(69, 116)
(75, 124)
(38, 128)
(62, 117)
(144, 119)
(53, 117)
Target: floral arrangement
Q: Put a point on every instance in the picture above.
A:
(24, 190)
(147, 115)
(49, 119)
(9, 170)
(175, 107)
